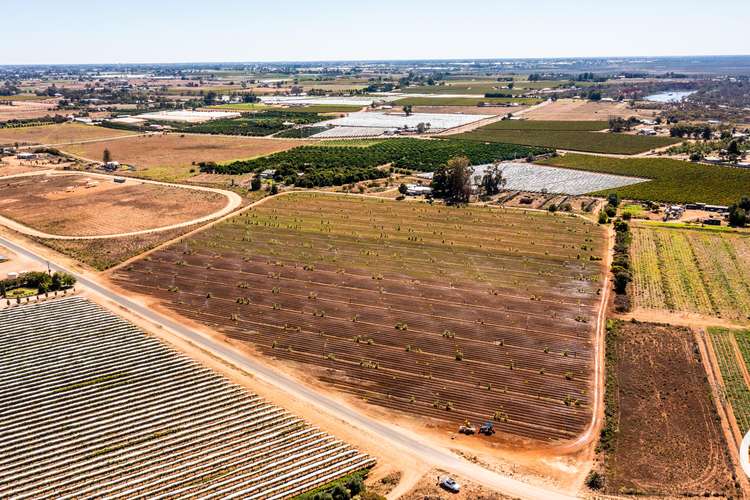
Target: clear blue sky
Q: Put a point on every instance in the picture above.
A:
(77, 31)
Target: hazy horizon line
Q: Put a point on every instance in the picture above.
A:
(403, 60)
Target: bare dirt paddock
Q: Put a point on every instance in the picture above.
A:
(582, 110)
(663, 436)
(79, 205)
(172, 156)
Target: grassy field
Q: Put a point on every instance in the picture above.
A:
(243, 106)
(24, 97)
(673, 181)
(576, 136)
(461, 101)
(581, 109)
(691, 271)
(102, 254)
(546, 84)
(314, 108)
(487, 86)
(58, 134)
(732, 349)
(550, 125)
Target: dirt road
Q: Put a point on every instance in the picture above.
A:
(410, 444)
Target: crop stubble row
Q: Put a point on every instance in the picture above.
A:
(320, 281)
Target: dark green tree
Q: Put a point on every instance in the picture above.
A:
(452, 181)
(492, 180)
(209, 98)
(737, 216)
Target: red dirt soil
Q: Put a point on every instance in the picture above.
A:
(75, 205)
(669, 441)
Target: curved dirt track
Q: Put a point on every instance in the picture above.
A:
(233, 201)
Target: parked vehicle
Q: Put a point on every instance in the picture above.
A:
(487, 429)
(467, 429)
(450, 484)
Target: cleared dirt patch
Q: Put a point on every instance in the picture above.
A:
(445, 313)
(78, 205)
(172, 156)
(428, 488)
(668, 439)
(58, 134)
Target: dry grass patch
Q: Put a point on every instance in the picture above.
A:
(106, 253)
(579, 109)
(58, 134)
(21, 110)
(173, 156)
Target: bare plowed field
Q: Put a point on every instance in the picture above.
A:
(450, 313)
(58, 134)
(76, 205)
(171, 157)
(668, 441)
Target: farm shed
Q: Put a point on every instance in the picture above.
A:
(715, 208)
(417, 190)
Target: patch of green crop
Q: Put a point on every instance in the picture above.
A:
(672, 181)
